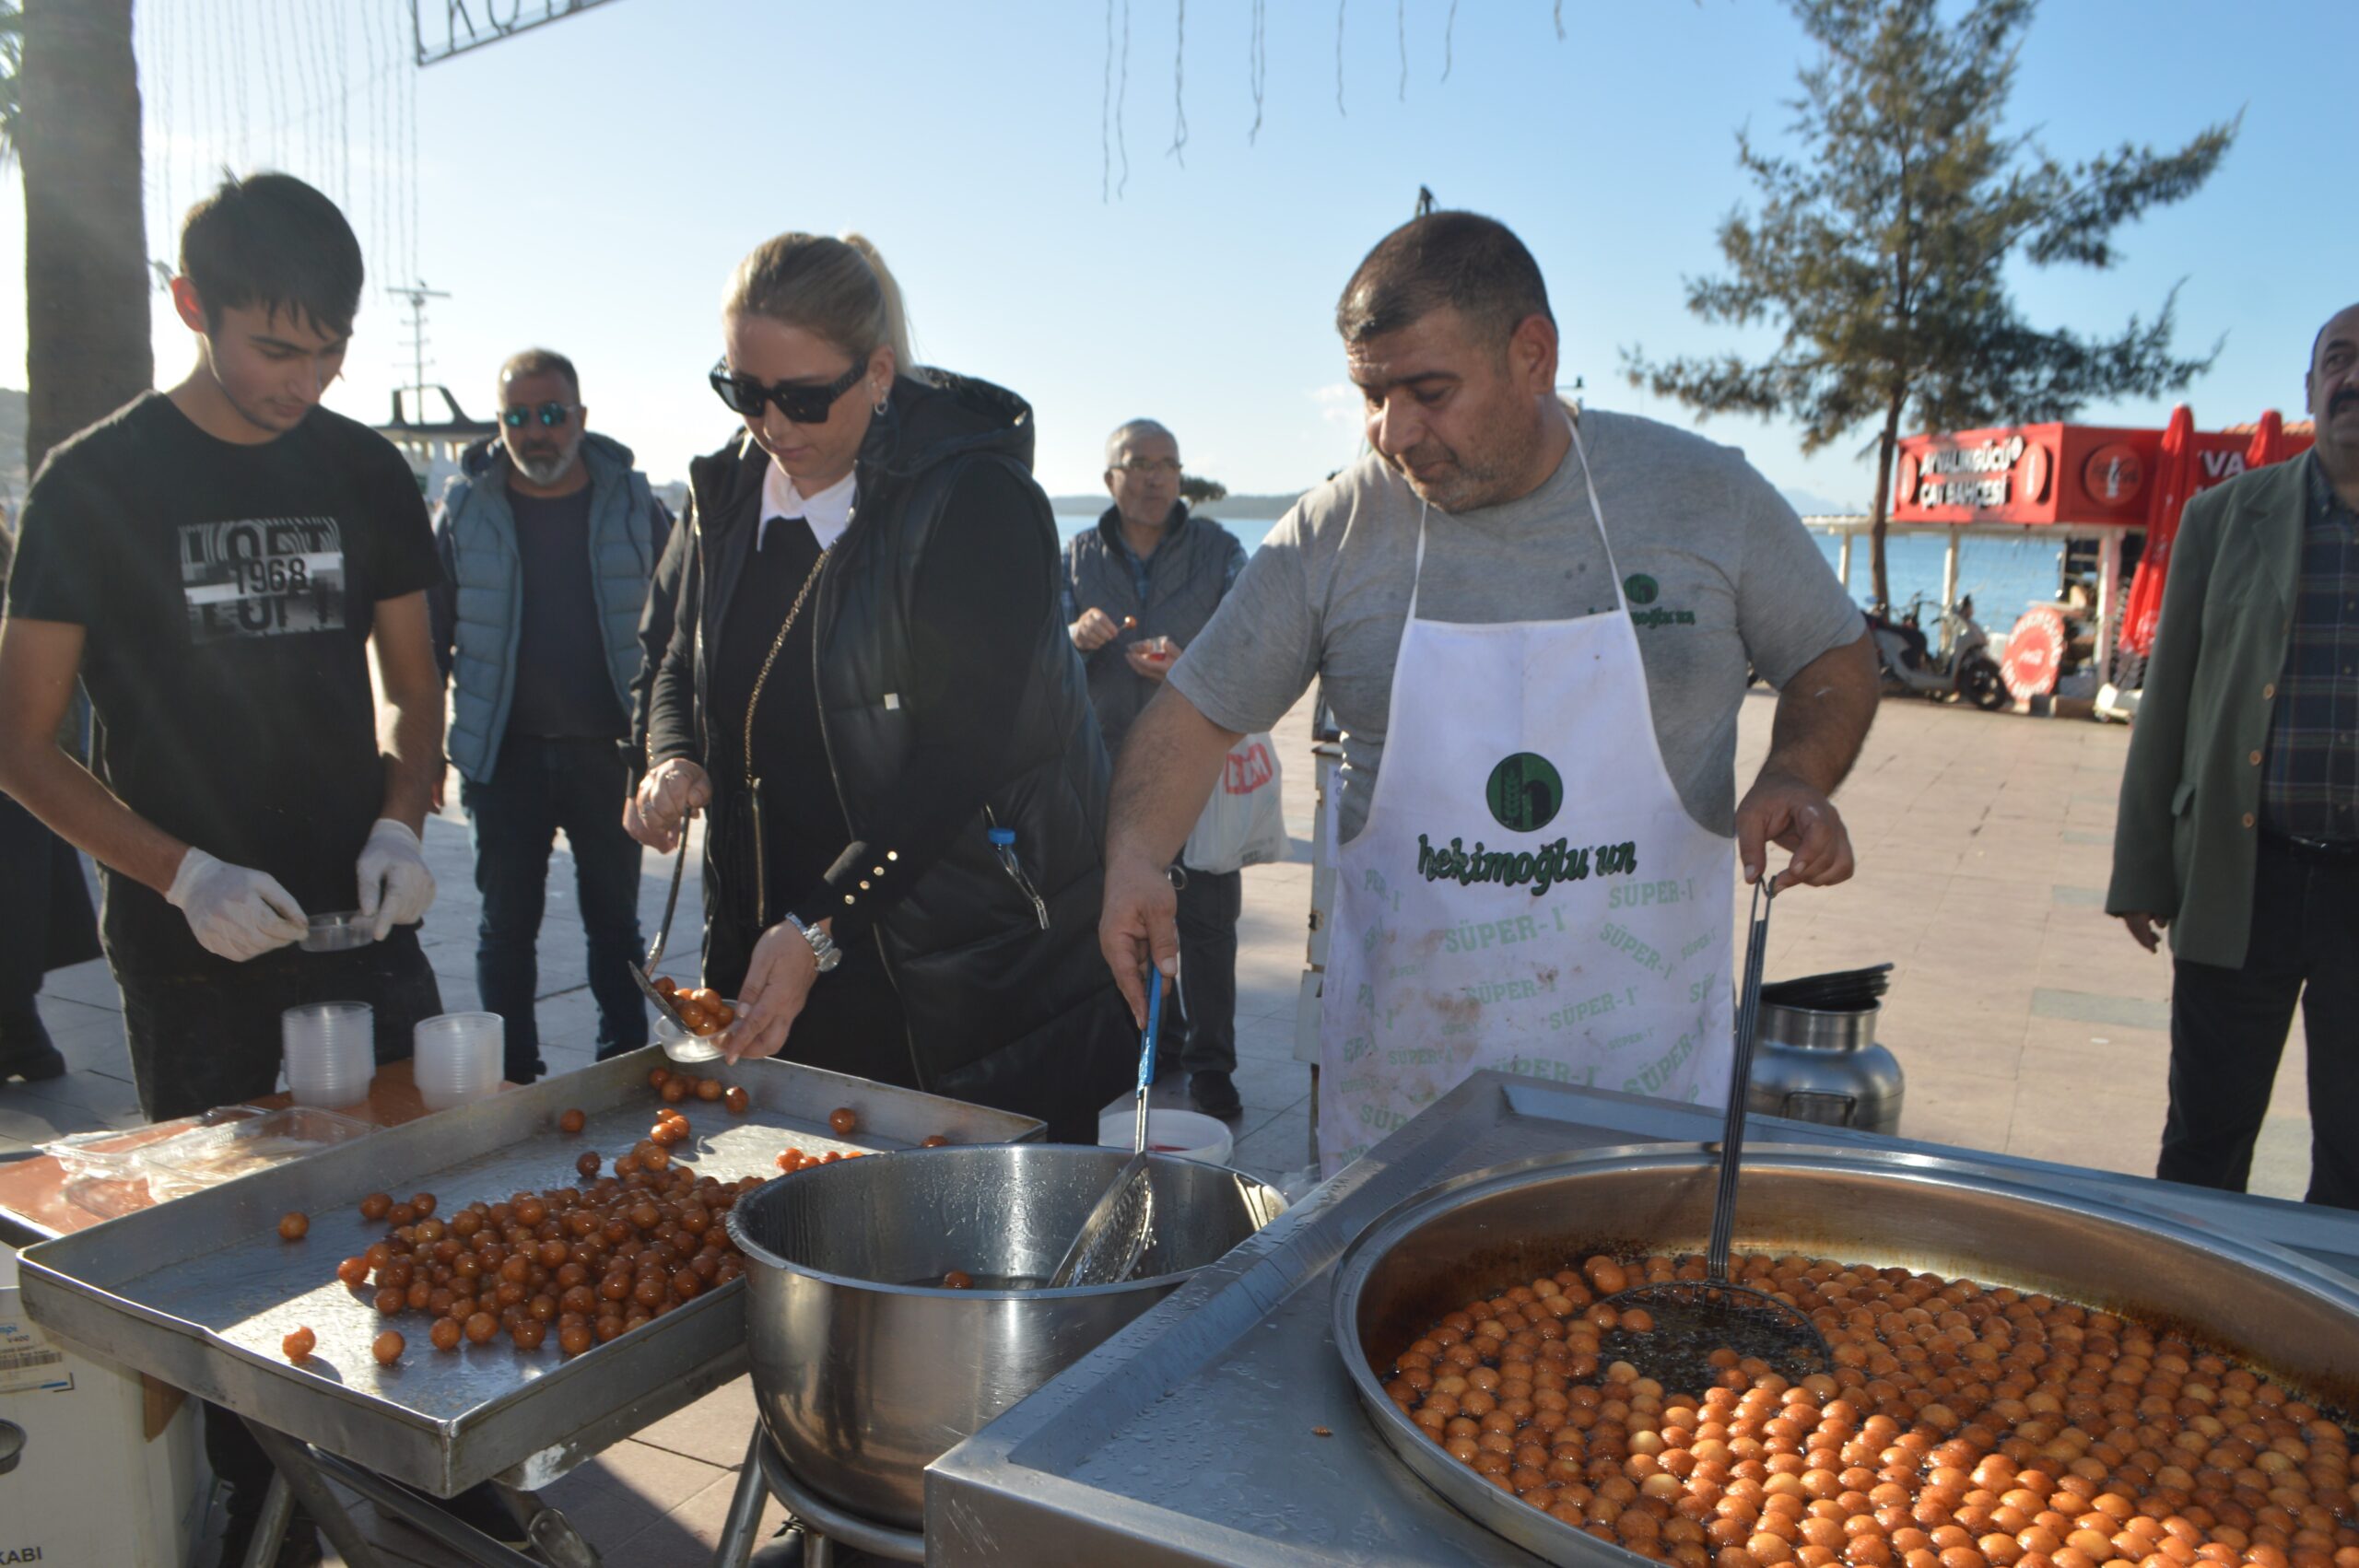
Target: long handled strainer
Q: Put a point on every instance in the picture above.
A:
(1114, 1237)
(1694, 1318)
(643, 974)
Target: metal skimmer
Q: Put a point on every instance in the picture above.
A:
(1114, 1237)
(1694, 1318)
(643, 974)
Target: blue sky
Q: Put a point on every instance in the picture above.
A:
(589, 184)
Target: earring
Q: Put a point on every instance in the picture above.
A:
(882, 399)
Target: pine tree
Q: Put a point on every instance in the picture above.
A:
(1880, 243)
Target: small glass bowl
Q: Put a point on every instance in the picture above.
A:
(683, 1046)
(337, 933)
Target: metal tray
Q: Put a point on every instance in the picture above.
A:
(199, 1292)
(1191, 1437)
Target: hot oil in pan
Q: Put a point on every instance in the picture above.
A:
(983, 1282)
(1697, 1332)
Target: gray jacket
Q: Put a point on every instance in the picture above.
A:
(1191, 571)
(478, 615)
(2187, 831)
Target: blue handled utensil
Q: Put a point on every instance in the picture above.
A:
(1114, 1237)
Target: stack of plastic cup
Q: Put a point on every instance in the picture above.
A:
(458, 1058)
(331, 1052)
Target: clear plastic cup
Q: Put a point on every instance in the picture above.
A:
(329, 1049)
(458, 1058)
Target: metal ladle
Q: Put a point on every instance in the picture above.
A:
(1693, 1318)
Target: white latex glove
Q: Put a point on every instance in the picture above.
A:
(396, 887)
(235, 912)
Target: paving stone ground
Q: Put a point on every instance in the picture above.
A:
(2027, 1021)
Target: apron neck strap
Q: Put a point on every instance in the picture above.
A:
(1596, 512)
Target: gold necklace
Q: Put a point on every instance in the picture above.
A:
(753, 784)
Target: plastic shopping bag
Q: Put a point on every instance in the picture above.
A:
(1244, 822)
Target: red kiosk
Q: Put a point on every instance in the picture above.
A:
(2080, 479)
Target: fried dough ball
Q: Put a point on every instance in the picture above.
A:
(299, 1346)
(1958, 1426)
(292, 1225)
(575, 1264)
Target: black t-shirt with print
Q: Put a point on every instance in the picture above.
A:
(226, 594)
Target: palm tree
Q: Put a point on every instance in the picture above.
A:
(71, 116)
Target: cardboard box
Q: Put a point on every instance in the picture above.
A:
(111, 1472)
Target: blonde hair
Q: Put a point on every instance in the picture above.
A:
(840, 290)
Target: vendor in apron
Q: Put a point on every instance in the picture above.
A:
(1534, 630)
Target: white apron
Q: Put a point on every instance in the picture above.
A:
(1529, 892)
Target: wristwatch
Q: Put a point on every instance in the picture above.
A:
(823, 946)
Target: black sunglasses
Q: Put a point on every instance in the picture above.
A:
(802, 402)
(551, 415)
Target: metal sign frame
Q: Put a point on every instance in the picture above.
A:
(461, 31)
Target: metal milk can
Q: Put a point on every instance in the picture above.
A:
(1827, 1068)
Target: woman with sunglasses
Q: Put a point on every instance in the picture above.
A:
(869, 684)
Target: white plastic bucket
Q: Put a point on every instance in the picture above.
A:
(1188, 1134)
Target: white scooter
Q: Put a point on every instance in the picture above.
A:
(1965, 672)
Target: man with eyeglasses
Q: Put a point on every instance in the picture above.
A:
(548, 537)
(1138, 589)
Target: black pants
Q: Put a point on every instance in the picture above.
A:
(1210, 903)
(46, 920)
(538, 787)
(2228, 1029)
(197, 1043)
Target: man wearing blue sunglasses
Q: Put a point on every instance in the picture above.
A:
(548, 537)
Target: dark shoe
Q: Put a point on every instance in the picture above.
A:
(523, 1072)
(784, 1551)
(26, 1051)
(1214, 1094)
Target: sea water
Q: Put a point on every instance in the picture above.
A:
(2006, 574)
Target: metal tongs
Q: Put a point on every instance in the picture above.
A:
(643, 973)
(1695, 1318)
(1114, 1237)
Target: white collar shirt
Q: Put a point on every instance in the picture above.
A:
(828, 513)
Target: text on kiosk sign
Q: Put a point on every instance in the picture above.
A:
(1993, 461)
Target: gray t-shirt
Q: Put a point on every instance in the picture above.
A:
(1718, 569)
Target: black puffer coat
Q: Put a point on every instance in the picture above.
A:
(999, 1011)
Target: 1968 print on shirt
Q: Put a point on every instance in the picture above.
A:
(265, 577)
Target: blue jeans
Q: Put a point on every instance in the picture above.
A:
(538, 787)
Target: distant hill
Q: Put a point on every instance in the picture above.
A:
(1268, 507)
(1811, 504)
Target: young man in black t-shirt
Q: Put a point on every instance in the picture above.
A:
(217, 564)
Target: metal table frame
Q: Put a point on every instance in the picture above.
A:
(443, 1447)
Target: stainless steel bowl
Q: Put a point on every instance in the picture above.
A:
(867, 1370)
(1482, 1233)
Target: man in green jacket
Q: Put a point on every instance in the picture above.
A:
(2239, 820)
